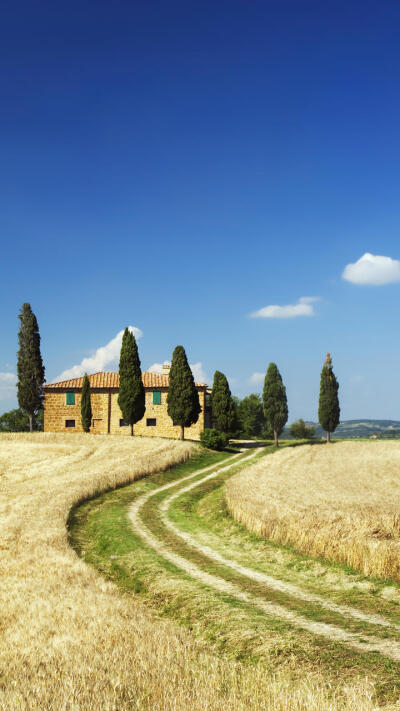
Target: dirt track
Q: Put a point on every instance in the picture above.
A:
(389, 647)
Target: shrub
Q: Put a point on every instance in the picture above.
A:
(212, 439)
(299, 430)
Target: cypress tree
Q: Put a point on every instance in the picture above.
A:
(275, 401)
(233, 418)
(86, 405)
(131, 398)
(183, 398)
(221, 404)
(328, 410)
(30, 367)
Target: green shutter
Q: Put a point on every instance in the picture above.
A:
(156, 397)
(70, 398)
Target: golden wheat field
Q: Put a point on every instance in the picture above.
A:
(69, 640)
(338, 501)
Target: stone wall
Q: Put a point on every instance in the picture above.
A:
(56, 411)
(106, 409)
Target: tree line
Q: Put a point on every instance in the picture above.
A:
(266, 415)
(183, 402)
(182, 399)
(254, 415)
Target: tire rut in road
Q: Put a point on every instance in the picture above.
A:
(364, 642)
(258, 576)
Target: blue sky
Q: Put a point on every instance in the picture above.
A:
(179, 166)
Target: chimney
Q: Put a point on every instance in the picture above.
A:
(166, 367)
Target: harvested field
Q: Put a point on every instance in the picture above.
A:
(340, 502)
(70, 640)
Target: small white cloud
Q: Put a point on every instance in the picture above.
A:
(8, 382)
(304, 307)
(198, 373)
(257, 378)
(8, 378)
(373, 269)
(158, 367)
(357, 379)
(197, 370)
(105, 357)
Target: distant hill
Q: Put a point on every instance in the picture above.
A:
(383, 429)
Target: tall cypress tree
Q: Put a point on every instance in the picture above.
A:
(131, 398)
(183, 398)
(86, 405)
(30, 367)
(222, 410)
(328, 410)
(274, 401)
(233, 417)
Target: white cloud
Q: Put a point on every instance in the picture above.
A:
(373, 269)
(304, 307)
(197, 369)
(8, 382)
(357, 379)
(257, 378)
(105, 357)
(158, 367)
(8, 378)
(198, 373)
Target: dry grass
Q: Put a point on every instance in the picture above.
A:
(341, 502)
(69, 640)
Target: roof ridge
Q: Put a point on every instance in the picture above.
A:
(110, 379)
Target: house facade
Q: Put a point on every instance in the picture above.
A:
(62, 407)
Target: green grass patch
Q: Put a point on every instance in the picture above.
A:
(203, 513)
(100, 531)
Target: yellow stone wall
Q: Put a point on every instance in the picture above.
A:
(105, 408)
(56, 411)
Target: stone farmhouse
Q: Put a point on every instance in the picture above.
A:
(62, 407)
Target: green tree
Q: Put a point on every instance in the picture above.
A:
(18, 421)
(250, 416)
(299, 430)
(131, 398)
(233, 417)
(14, 421)
(86, 405)
(328, 410)
(275, 401)
(183, 398)
(222, 408)
(39, 421)
(30, 367)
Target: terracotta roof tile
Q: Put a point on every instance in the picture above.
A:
(111, 380)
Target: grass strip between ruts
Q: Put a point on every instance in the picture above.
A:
(101, 532)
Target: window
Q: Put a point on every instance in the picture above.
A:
(151, 422)
(70, 423)
(156, 397)
(122, 423)
(70, 399)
